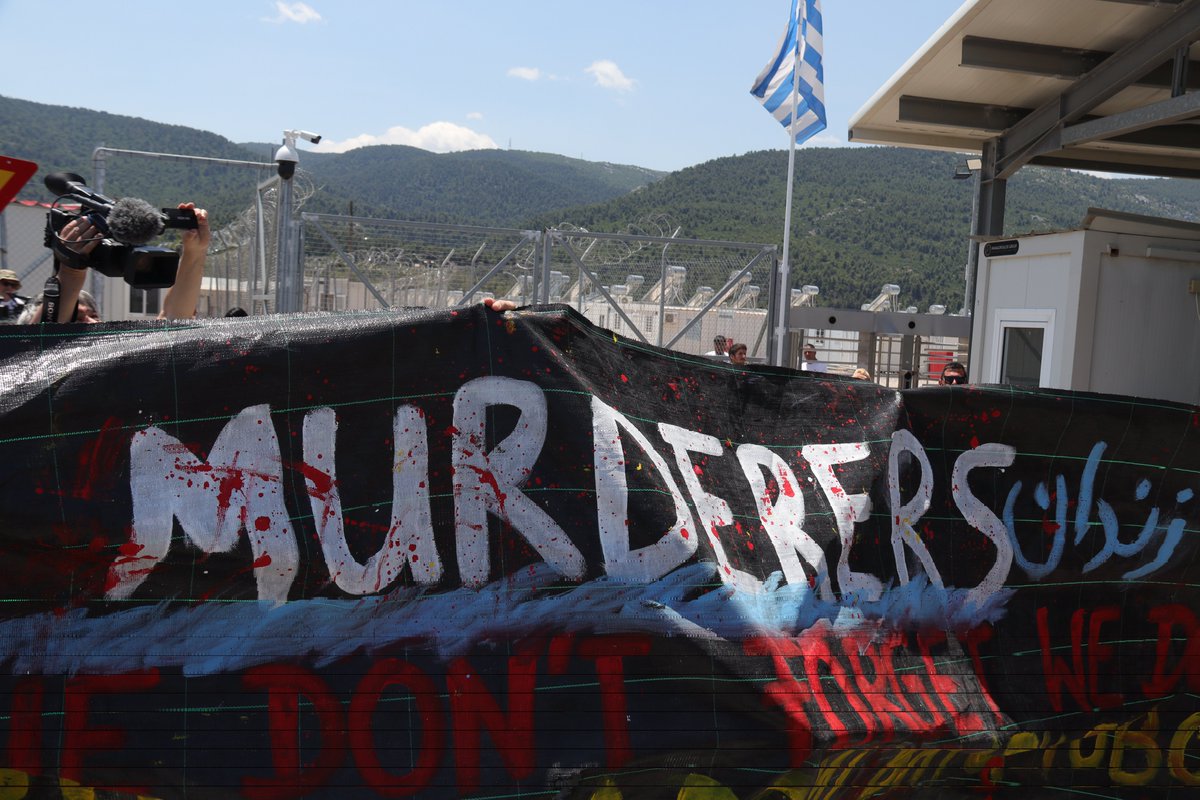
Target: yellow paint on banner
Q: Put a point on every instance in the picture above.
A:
(14, 784)
(700, 787)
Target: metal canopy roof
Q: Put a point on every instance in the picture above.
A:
(1089, 84)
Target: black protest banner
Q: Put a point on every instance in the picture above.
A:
(467, 554)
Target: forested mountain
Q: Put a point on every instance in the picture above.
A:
(480, 187)
(61, 139)
(483, 187)
(861, 217)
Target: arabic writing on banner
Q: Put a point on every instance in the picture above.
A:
(469, 554)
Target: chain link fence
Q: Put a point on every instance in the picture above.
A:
(22, 233)
(661, 289)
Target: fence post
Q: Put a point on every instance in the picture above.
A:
(286, 279)
(545, 267)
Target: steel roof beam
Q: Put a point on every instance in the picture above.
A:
(1066, 63)
(1140, 169)
(1040, 132)
(1147, 126)
(955, 113)
(1176, 109)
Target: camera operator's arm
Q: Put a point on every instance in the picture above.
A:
(81, 236)
(180, 300)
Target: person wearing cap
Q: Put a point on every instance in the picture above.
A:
(11, 303)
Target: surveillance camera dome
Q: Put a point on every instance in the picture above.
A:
(286, 160)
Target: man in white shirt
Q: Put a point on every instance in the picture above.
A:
(810, 362)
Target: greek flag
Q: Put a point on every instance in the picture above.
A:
(775, 88)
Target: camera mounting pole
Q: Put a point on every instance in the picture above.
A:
(289, 277)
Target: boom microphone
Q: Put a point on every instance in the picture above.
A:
(133, 221)
(68, 183)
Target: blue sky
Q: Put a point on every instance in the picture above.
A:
(658, 83)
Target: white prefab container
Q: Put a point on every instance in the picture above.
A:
(1111, 307)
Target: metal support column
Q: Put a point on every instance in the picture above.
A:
(287, 281)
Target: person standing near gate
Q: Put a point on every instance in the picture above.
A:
(719, 345)
(810, 362)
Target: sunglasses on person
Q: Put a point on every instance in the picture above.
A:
(956, 379)
(10, 283)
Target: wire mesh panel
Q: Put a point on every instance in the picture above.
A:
(22, 249)
(357, 263)
(678, 293)
(243, 261)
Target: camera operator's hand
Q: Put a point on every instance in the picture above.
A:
(81, 236)
(201, 235)
(180, 300)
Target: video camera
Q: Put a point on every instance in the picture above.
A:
(128, 224)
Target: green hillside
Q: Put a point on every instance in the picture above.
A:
(485, 187)
(862, 217)
(61, 139)
(479, 187)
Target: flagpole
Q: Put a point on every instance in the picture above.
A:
(784, 302)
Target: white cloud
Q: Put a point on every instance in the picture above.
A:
(525, 73)
(300, 13)
(475, 115)
(438, 137)
(609, 76)
(823, 139)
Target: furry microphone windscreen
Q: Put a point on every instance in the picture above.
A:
(133, 221)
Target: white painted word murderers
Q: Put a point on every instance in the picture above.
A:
(239, 488)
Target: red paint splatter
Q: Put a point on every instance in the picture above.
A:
(486, 476)
(262, 523)
(130, 549)
(98, 461)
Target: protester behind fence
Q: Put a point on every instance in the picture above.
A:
(720, 343)
(737, 354)
(11, 303)
(952, 374)
(810, 362)
(82, 237)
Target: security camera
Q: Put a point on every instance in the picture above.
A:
(286, 160)
(308, 136)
